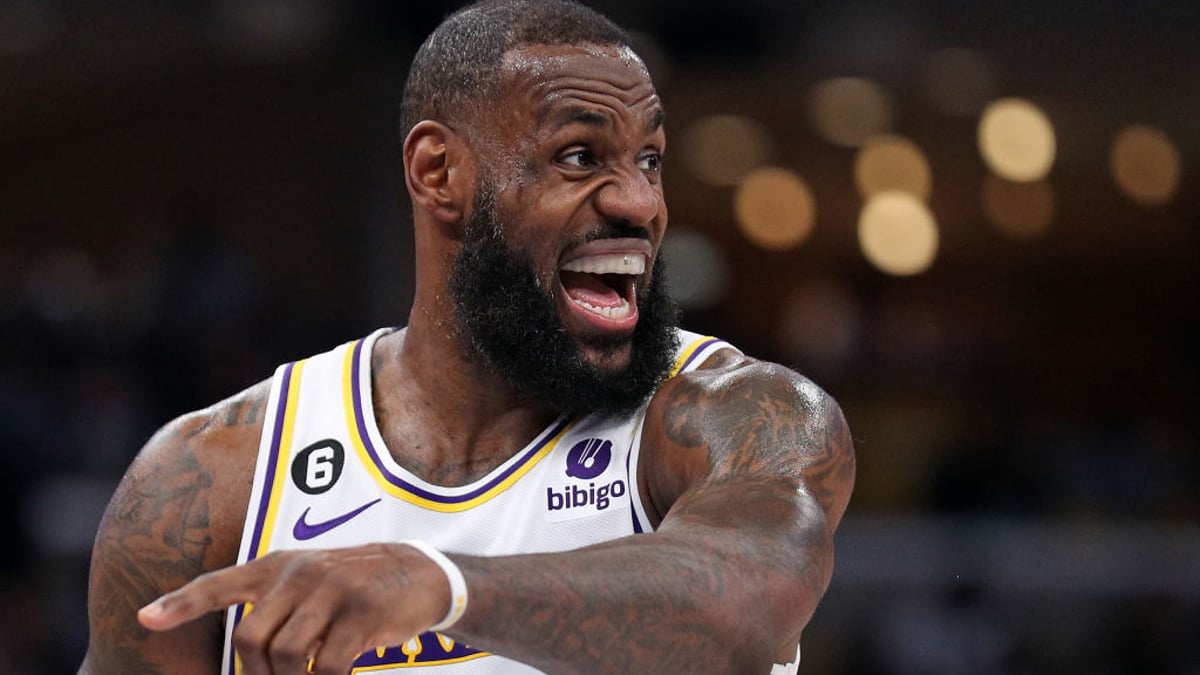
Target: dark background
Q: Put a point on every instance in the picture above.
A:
(194, 192)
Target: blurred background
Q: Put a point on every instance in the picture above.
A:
(974, 223)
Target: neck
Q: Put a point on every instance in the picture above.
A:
(443, 415)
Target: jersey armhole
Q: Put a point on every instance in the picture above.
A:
(256, 507)
(641, 520)
(697, 350)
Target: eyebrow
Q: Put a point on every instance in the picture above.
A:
(656, 120)
(588, 117)
(579, 115)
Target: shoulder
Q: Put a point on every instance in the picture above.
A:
(176, 514)
(193, 477)
(737, 416)
(217, 448)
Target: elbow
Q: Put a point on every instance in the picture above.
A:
(777, 600)
(781, 598)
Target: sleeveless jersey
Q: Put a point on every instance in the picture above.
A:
(325, 479)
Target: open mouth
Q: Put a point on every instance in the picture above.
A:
(602, 287)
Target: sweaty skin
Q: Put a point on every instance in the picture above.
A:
(747, 467)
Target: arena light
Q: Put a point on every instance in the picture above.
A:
(847, 111)
(1019, 210)
(891, 162)
(898, 233)
(722, 149)
(1145, 165)
(1017, 140)
(820, 324)
(702, 278)
(774, 208)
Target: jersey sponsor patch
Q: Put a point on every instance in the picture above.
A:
(590, 483)
(589, 458)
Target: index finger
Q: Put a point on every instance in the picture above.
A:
(206, 593)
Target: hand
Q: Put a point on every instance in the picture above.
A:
(328, 606)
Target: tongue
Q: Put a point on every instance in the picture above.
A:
(590, 288)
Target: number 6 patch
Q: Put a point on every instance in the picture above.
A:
(317, 467)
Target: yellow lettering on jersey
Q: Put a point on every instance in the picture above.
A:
(412, 649)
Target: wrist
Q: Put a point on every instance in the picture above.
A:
(454, 577)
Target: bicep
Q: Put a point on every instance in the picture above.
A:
(155, 536)
(754, 464)
(755, 433)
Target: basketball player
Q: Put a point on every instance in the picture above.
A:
(540, 473)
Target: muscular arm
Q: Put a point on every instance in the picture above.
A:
(753, 467)
(175, 515)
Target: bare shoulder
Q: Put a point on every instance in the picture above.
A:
(177, 513)
(737, 417)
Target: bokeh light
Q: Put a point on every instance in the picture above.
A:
(1017, 140)
(774, 208)
(898, 233)
(1145, 164)
(722, 149)
(848, 110)
(820, 325)
(1020, 210)
(958, 81)
(891, 162)
(697, 270)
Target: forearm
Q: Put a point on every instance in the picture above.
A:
(661, 603)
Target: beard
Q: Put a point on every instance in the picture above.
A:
(505, 317)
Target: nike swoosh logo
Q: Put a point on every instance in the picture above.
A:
(304, 530)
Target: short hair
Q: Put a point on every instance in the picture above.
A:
(455, 70)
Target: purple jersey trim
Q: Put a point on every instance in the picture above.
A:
(265, 501)
(637, 525)
(698, 350)
(272, 460)
(361, 427)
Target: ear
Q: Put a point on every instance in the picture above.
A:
(439, 171)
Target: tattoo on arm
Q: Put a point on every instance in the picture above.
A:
(154, 537)
(241, 412)
(735, 571)
(778, 426)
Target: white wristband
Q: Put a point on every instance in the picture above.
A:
(458, 585)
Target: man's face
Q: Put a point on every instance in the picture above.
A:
(567, 224)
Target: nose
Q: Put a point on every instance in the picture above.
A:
(629, 197)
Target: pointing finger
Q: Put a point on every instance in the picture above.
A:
(207, 593)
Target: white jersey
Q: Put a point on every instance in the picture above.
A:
(325, 479)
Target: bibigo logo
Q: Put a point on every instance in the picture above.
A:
(586, 460)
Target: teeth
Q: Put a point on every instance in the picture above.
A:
(619, 312)
(609, 263)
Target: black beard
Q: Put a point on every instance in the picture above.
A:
(509, 320)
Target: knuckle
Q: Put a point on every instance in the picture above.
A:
(249, 641)
(285, 653)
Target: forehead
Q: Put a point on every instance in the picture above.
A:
(548, 84)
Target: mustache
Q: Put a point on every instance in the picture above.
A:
(616, 231)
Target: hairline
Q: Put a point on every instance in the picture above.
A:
(492, 73)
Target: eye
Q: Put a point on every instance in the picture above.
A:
(651, 162)
(578, 158)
